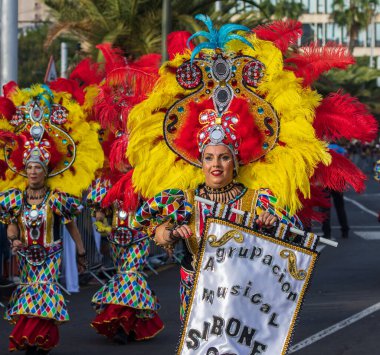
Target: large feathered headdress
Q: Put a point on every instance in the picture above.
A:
(239, 90)
(125, 84)
(47, 127)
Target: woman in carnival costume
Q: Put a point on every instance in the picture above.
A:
(235, 123)
(49, 155)
(126, 306)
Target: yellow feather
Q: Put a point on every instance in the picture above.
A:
(89, 153)
(286, 169)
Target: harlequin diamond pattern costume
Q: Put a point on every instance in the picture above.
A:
(38, 125)
(248, 92)
(125, 305)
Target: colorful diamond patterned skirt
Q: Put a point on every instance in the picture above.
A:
(126, 301)
(37, 305)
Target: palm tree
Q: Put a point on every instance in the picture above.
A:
(132, 24)
(358, 80)
(282, 9)
(354, 17)
(135, 25)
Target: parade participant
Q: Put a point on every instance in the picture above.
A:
(126, 306)
(231, 108)
(49, 154)
(376, 170)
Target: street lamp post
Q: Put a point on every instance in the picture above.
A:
(166, 27)
(371, 58)
(9, 41)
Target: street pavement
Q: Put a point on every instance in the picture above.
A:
(340, 313)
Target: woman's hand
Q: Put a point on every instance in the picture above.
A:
(16, 245)
(183, 232)
(266, 220)
(165, 235)
(82, 263)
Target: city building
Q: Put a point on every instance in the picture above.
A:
(318, 25)
(31, 13)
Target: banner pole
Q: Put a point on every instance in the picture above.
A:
(292, 229)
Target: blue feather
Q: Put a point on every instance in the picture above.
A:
(199, 47)
(206, 20)
(240, 38)
(217, 39)
(198, 34)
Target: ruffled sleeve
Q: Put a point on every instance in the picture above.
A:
(65, 206)
(10, 205)
(267, 202)
(167, 205)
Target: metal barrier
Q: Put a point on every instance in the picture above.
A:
(100, 261)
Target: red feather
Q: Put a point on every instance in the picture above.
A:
(3, 169)
(87, 73)
(251, 137)
(281, 33)
(123, 89)
(137, 83)
(113, 57)
(312, 208)
(314, 60)
(7, 108)
(17, 143)
(122, 191)
(149, 63)
(70, 86)
(9, 88)
(177, 43)
(341, 174)
(342, 115)
(117, 156)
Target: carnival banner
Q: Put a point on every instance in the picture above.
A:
(247, 293)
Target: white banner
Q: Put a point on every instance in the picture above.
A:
(247, 293)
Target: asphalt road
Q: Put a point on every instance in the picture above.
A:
(340, 314)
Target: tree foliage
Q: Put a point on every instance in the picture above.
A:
(358, 80)
(33, 57)
(135, 25)
(354, 17)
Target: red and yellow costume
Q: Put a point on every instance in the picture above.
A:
(245, 91)
(125, 305)
(46, 127)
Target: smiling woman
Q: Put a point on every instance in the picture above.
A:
(234, 124)
(218, 166)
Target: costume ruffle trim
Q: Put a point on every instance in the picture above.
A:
(115, 317)
(34, 331)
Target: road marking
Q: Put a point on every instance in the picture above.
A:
(368, 235)
(365, 209)
(371, 195)
(334, 328)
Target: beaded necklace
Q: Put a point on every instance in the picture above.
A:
(226, 194)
